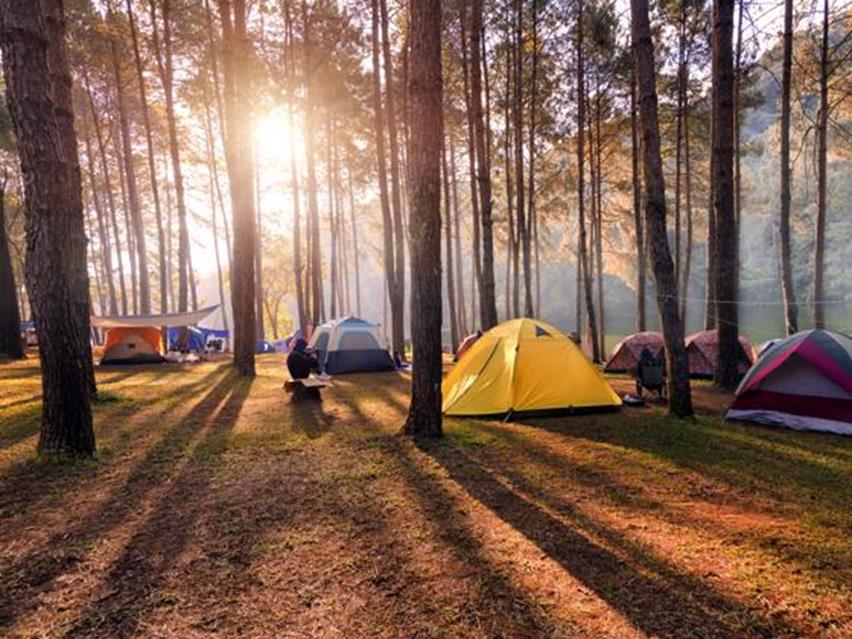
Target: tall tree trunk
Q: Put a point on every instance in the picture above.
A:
(103, 233)
(10, 316)
(448, 255)
(680, 399)
(487, 295)
(397, 336)
(258, 257)
(462, 306)
(791, 310)
(641, 261)
(512, 250)
(237, 94)
(108, 188)
(298, 267)
(581, 185)
(679, 89)
(532, 224)
(822, 172)
(128, 228)
(599, 219)
(710, 277)
(723, 152)
(152, 169)
(738, 71)
(424, 189)
(165, 65)
(317, 297)
(208, 139)
(332, 222)
(522, 224)
(356, 254)
(687, 169)
(38, 86)
(471, 156)
(141, 256)
(397, 291)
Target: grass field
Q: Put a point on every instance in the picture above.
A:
(215, 507)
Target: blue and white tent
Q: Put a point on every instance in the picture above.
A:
(350, 345)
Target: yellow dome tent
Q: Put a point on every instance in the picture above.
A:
(524, 365)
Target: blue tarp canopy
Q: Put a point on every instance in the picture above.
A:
(193, 340)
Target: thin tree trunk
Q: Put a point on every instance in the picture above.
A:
(128, 229)
(723, 151)
(152, 169)
(737, 127)
(237, 94)
(397, 291)
(38, 87)
(599, 220)
(141, 255)
(332, 222)
(512, 279)
(680, 400)
(641, 262)
(532, 225)
(397, 337)
(355, 250)
(710, 292)
(258, 258)
(462, 305)
(471, 156)
(208, 139)
(166, 68)
(448, 255)
(487, 295)
(298, 267)
(581, 187)
(103, 233)
(788, 292)
(822, 173)
(424, 188)
(522, 225)
(687, 259)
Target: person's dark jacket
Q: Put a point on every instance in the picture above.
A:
(300, 363)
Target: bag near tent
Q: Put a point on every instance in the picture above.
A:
(803, 382)
(350, 345)
(524, 366)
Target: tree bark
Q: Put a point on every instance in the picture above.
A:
(125, 209)
(238, 94)
(788, 292)
(532, 223)
(10, 315)
(723, 196)
(822, 173)
(38, 86)
(520, 206)
(680, 400)
(424, 192)
(487, 295)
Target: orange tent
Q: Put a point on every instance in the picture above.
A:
(132, 345)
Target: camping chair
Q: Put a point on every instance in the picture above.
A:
(651, 376)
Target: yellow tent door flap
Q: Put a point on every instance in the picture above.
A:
(524, 365)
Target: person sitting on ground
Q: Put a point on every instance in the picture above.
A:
(650, 373)
(300, 363)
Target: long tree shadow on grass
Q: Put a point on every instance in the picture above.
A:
(731, 453)
(23, 579)
(25, 483)
(133, 584)
(656, 599)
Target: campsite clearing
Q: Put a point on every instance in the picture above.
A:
(216, 507)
